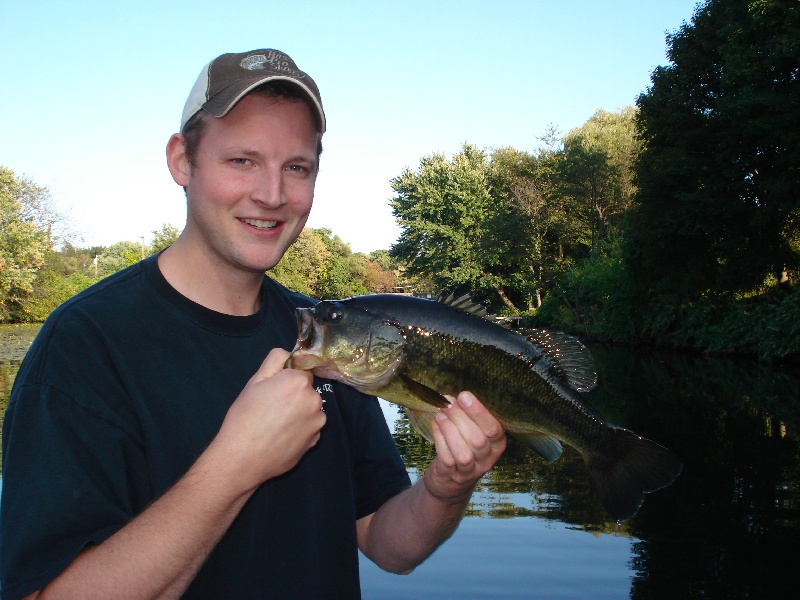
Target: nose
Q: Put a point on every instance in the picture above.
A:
(268, 189)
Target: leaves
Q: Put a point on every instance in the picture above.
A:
(720, 171)
(23, 240)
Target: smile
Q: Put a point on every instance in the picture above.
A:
(259, 224)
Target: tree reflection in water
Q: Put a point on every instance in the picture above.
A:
(728, 527)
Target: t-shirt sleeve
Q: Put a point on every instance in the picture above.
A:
(65, 492)
(378, 467)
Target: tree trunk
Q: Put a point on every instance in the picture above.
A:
(502, 293)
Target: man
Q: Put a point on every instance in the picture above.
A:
(150, 453)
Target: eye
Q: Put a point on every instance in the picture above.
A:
(241, 161)
(298, 169)
(335, 315)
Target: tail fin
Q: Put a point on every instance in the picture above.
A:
(638, 467)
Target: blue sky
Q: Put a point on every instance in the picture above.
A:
(91, 91)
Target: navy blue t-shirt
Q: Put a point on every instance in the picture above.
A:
(124, 387)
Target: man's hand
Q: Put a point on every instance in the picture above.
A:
(469, 441)
(275, 420)
(410, 526)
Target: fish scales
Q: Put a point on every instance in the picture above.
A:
(523, 400)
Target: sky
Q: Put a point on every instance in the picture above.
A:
(91, 91)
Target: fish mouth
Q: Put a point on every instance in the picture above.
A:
(305, 328)
(306, 355)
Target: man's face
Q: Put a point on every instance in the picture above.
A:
(252, 185)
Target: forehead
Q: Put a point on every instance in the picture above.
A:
(260, 119)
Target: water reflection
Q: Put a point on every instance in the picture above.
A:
(729, 525)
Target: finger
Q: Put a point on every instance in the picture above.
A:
(274, 363)
(442, 449)
(276, 359)
(483, 419)
(471, 433)
(461, 438)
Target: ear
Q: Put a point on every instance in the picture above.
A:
(177, 161)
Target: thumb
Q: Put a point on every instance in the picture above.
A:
(273, 363)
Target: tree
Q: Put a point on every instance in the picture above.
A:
(23, 240)
(535, 223)
(445, 211)
(70, 260)
(117, 257)
(380, 276)
(343, 274)
(596, 173)
(163, 238)
(321, 265)
(302, 266)
(718, 176)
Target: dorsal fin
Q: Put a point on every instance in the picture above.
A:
(572, 360)
(464, 303)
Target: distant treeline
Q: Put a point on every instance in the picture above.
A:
(319, 264)
(673, 222)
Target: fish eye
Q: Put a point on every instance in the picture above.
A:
(335, 315)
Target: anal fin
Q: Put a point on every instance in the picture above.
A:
(546, 446)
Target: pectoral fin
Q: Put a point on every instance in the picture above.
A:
(422, 420)
(423, 392)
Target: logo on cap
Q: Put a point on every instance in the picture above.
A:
(275, 61)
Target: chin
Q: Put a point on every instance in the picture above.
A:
(261, 261)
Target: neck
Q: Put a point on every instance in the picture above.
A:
(203, 280)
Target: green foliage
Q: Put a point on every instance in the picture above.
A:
(23, 239)
(321, 265)
(343, 275)
(443, 209)
(302, 267)
(592, 297)
(163, 238)
(119, 256)
(595, 174)
(71, 260)
(49, 291)
(766, 326)
(720, 170)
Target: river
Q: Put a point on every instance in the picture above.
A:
(728, 528)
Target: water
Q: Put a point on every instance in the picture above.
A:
(728, 528)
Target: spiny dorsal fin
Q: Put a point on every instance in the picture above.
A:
(572, 360)
(463, 303)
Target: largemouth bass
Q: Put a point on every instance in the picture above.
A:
(412, 351)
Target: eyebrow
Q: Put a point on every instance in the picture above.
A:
(250, 152)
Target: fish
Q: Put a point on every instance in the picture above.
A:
(415, 351)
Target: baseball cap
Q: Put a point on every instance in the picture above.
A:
(230, 77)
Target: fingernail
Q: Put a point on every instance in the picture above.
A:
(465, 400)
(441, 416)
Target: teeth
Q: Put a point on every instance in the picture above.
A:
(259, 224)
